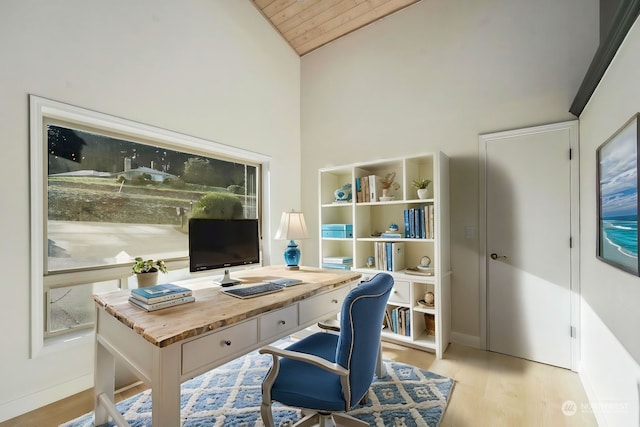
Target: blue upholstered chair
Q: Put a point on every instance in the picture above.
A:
(326, 372)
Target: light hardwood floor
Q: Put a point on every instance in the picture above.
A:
(491, 390)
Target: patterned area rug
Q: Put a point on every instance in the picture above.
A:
(231, 394)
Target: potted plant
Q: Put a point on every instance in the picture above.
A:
(421, 184)
(387, 184)
(146, 271)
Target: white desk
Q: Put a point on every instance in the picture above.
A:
(166, 347)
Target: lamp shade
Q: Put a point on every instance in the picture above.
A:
(292, 227)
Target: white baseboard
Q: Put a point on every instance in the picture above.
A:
(468, 340)
(24, 404)
(592, 395)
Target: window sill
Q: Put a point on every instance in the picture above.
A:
(53, 345)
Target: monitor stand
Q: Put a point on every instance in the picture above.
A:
(227, 280)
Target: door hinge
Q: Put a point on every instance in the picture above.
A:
(572, 331)
(570, 242)
(570, 153)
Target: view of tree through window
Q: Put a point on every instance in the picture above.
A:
(110, 199)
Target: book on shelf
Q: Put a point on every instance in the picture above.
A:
(337, 260)
(401, 321)
(391, 235)
(358, 190)
(389, 256)
(336, 266)
(365, 189)
(159, 293)
(164, 304)
(406, 223)
(419, 223)
(375, 188)
(407, 322)
(397, 256)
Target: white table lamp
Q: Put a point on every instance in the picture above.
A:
(292, 227)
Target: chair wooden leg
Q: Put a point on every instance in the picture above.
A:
(265, 412)
(310, 420)
(381, 372)
(344, 420)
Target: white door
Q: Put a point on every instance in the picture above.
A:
(528, 232)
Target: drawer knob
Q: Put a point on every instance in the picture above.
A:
(227, 342)
(282, 322)
(334, 301)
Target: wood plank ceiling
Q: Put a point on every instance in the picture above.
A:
(309, 24)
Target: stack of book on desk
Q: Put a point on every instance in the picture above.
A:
(160, 296)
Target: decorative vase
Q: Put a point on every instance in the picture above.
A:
(147, 279)
(423, 193)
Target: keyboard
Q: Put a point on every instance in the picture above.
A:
(253, 291)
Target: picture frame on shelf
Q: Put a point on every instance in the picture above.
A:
(617, 196)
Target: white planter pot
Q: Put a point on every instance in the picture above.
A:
(423, 193)
(147, 279)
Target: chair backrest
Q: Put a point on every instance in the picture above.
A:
(360, 328)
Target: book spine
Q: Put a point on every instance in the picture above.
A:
(389, 255)
(337, 266)
(412, 223)
(163, 298)
(365, 189)
(397, 261)
(406, 223)
(372, 188)
(337, 260)
(432, 219)
(407, 315)
(394, 318)
(391, 235)
(161, 305)
(423, 231)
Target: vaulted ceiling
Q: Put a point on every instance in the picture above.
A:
(308, 24)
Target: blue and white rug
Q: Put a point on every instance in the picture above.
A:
(231, 395)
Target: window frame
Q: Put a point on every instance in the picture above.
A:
(45, 111)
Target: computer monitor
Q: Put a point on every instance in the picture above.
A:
(223, 243)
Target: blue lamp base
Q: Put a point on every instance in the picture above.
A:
(292, 256)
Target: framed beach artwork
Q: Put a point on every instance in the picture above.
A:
(617, 161)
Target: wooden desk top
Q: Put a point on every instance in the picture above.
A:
(212, 309)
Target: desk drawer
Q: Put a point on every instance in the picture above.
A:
(219, 345)
(400, 292)
(318, 307)
(278, 322)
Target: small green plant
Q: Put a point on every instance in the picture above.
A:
(421, 183)
(148, 266)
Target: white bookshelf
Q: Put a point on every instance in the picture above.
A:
(370, 217)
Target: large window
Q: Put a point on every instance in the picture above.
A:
(110, 199)
(106, 190)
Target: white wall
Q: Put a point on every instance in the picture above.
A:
(214, 69)
(433, 77)
(610, 365)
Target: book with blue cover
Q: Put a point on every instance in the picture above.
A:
(160, 293)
